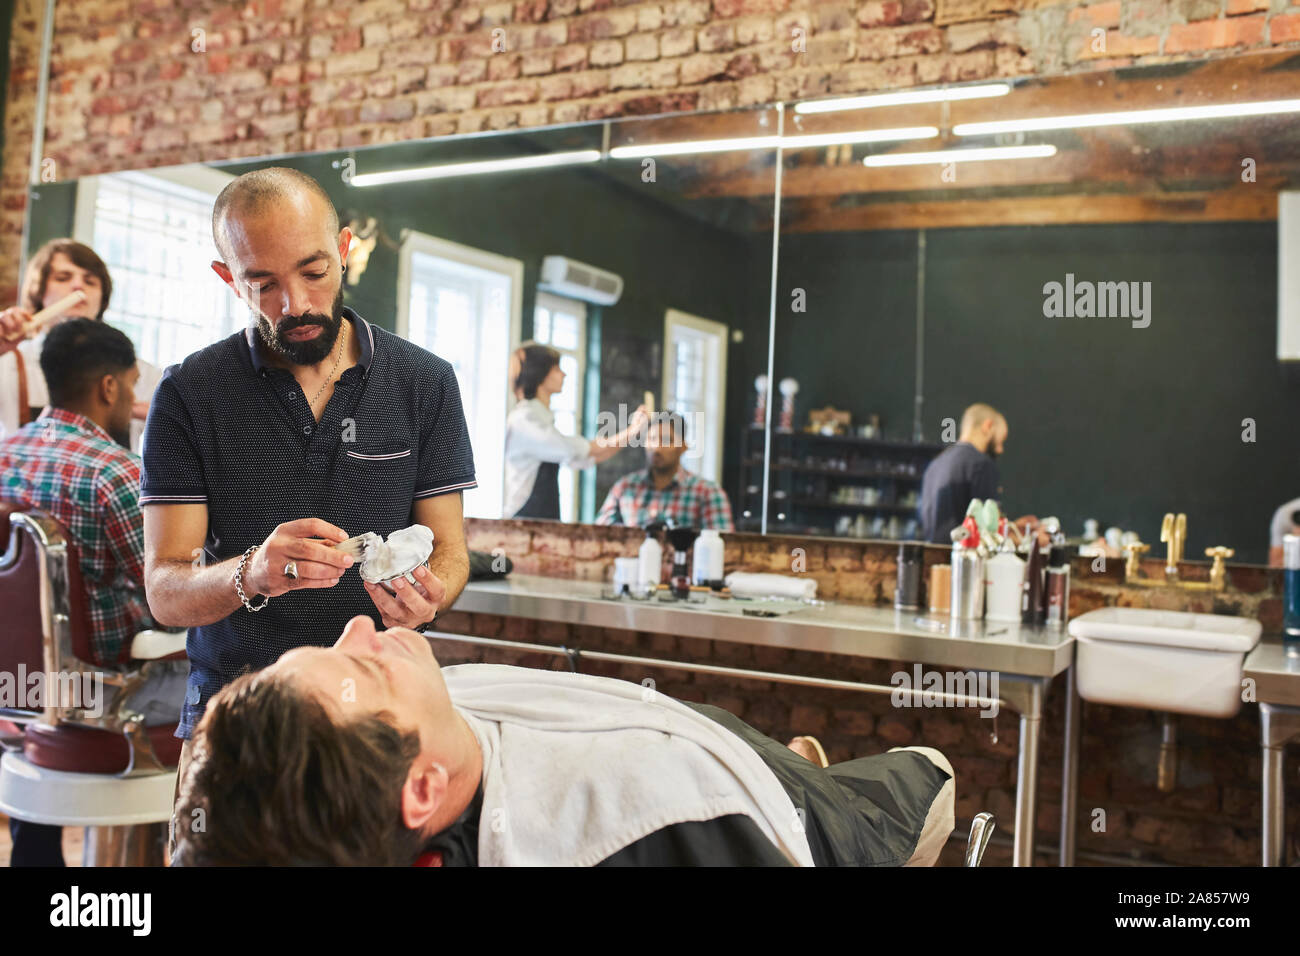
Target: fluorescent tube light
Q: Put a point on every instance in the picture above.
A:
(960, 155)
(477, 168)
(771, 142)
(904, 98)
(1173, 114)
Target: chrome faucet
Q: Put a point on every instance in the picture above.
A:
(1173, 531)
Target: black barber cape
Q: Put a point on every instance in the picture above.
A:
(864, 812)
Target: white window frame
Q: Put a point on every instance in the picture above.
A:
(412, 242)
(710, 461)
(200, 178)
(556, 302)
(196, 178)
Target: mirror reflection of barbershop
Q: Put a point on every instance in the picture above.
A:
(776, 366)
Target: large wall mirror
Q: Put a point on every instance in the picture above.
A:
(1097, 256)
(1104, 275)
(619, 245)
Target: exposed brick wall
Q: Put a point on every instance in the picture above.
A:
(1211, 818)
(134, 86)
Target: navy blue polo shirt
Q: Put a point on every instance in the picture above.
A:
(228, 430)
(959, 473)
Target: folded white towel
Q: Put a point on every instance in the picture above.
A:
(771, 585)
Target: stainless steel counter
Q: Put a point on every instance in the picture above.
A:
(1275, 670)
(848, 629)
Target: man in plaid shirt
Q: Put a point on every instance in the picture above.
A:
(73, 464)
(666, 491)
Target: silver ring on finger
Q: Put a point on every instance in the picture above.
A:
(291, 570)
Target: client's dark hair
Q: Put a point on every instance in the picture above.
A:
(535, 363)
(77, 354)
(275, 782)
(672, 419)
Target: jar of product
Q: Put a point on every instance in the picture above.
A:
(1291, 588)
(940, 586)
(907, 590)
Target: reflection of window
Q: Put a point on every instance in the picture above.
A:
(154, 232)
(695, 379)
(562, 324)
(462, 305)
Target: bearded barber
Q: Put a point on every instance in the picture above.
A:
(263, 450)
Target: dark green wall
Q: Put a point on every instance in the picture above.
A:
(54, 210)
(1106, 420)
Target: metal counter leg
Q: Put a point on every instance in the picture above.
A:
(1070, 769)
(1025, 695)
(1277, 725)
(1027, 790)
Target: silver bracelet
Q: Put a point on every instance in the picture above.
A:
(239, 582)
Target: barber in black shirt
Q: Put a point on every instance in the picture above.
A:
(962, 472)
(269, 446)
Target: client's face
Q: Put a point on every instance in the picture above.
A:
(368, 672)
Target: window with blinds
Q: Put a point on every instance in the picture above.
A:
(462, 305)
(155, 236)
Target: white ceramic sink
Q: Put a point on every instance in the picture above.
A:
(1163, 660)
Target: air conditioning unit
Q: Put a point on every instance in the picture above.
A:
(577, 280)
(1288, 276)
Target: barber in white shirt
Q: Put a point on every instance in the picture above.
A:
(59, 268)
(535, 448)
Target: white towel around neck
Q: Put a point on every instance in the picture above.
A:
(577, 767)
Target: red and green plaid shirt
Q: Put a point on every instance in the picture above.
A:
(70, 468)
(688, 500)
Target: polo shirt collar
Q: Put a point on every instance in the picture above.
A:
(366, 336)
(80, 422)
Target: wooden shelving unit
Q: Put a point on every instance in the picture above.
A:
(817, 480)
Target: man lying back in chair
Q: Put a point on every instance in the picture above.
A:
(369, 753)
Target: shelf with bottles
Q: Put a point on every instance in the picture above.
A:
(927, 449)
(818, 492)
(854, 467)
(897, 509)
(892, 528)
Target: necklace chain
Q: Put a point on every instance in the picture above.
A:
(330, 377)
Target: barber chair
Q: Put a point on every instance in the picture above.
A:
(95, 766)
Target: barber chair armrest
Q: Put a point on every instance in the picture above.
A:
(158, 645)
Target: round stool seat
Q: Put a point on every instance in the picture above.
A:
(39, 795)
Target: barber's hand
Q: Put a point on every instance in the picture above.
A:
(140, 410)
(640, 419)
(319, 565)
(414, 605)
(12, 323)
